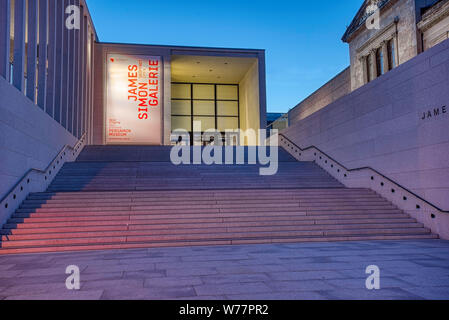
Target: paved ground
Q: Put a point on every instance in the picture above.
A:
(409, 270)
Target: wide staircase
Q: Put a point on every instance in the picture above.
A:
(134, 197)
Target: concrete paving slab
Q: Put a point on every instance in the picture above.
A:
(303, 271)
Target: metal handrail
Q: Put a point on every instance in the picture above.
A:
(64, 149)
(363, 168)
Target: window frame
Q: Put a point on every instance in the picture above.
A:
(216, 115)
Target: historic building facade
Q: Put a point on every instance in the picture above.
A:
(398, 30)
(434, 25)
(389, 131)
(382, 35)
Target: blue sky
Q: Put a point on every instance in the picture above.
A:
(301, 38)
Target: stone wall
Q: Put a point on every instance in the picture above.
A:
(434, 25)
(250, 101)
(407, 47)
(397, 124)
(336, 88)
(29, 137)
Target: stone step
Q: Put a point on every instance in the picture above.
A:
(163, 175)
(92, 221)
(209, 229)
(233, 192)
(158, 216)
(48, 249)
(116, 215)
(201, 207)
(141, 200)
(201, 196)
(170, 187)
(153, 153)
(220, 203)
(205, 236)
(207, 223)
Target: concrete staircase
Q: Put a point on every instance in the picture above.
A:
(133, 197)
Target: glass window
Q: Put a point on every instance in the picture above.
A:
(379, 62)
(204, 108)
(227, 123)
(391, 54)
(207, 123)
(368, 68)
(203, 91)
(180, 91)
(214, 105)
(181, 107)
(227, 108)
(227, 92)
(178, 123)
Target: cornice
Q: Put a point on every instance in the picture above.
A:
(434, 15)
(358, 23)
(375, 41)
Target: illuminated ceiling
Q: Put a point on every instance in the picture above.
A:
(209, 69)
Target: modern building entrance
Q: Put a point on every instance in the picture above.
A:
(213, 96)
(153, 95)
(214, 107)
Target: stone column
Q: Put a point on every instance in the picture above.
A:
(71, 82)
(364, 62)
(5, 34)
(51, 80)
(42, 80)
(76, 96)
(396, 49)
(60, 28)
(83, 71)
(32, 50)
(65, 69)
(373, 64)
(19, 44)
(384, 49)
(33, 12)
(90, 86)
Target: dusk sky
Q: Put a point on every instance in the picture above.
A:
(302, 38)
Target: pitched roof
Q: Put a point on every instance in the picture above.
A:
(361, 17)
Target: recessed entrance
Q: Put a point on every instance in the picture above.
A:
(213, 106)
(219, 93)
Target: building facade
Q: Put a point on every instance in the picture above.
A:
(58, 76)
(387, 33)
(126, 94)
(168, 89)
(388, 133)
(382, 35)
(61, 87)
